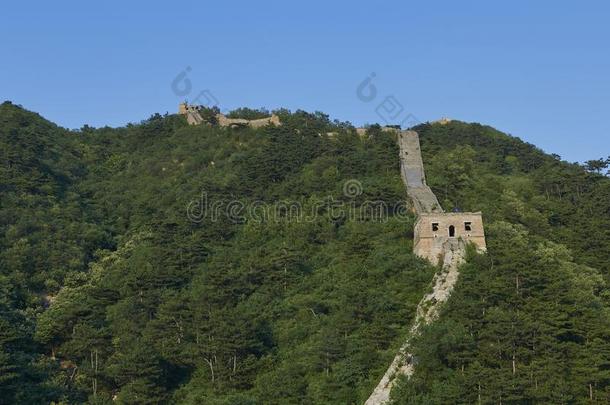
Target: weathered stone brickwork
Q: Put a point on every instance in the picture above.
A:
(439, 237)
(433, 226)
(194, 118)
(433, 229)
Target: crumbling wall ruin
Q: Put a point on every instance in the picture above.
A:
(427, 311)
(193, 117)
(223, 121)
(432, 230)
(439, 237)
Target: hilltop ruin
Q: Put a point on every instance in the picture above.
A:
(193, 117)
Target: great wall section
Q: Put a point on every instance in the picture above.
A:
(439, 237)
(193, 117)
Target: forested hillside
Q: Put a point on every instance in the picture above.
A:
(167, 263)
(529, 321)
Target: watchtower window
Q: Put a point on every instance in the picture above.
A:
(434, 226)
(468, 226)
(451, 231)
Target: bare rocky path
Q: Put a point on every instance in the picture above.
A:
(453, 252)
(413, 174)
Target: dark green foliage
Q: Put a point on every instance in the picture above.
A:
(159, 308)
(525, 325)
(249, 113)
(111, 293)
(473, 167)
(528, 322)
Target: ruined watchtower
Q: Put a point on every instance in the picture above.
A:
(191, 112)
(438, 237)
(434, 228)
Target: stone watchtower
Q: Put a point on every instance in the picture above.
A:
(432, 230)
(439, 237)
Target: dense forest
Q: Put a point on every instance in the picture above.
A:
(165, 263)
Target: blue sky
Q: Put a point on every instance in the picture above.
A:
(538, 70)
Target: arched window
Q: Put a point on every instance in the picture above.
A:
(451, 231)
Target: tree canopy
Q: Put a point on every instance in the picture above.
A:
(166, 263)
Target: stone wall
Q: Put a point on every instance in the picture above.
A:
(428, 243)
(428, 310)
(432, 230)
(223, 121)
(191, 112)
(413, 174)
(439, 237)
(194, 118)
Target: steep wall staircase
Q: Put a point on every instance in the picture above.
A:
(453, 252)
(413, 174)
